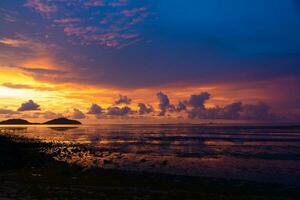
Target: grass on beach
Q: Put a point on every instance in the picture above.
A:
(28, 173)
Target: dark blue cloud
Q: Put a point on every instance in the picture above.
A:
(95, 110)
(164, 103)
(116, 111)
(198, 100)
(145, 109)
(29, 106)
(123, 100)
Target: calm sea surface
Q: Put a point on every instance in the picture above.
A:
(260, 153)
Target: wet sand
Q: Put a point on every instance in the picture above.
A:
(28, 173)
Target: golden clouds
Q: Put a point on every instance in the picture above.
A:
(39, 63)
(19, 84)
(9, 74)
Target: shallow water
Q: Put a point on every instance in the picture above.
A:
(260, 153)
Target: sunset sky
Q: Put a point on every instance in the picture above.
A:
(150, 61)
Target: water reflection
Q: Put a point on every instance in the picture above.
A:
(256, 153)
(62, 129)
(10, 129)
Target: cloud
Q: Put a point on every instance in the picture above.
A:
(77, 114)
(196, 109)
(30, 87)
(134, 11)
(40, 71)
(95, 110)
(181, 106)
(198, 100)
(41, 6)
(51, 115)
(94, 3)
(144, 109)
(87, 35)
(47, 75)
(8, 16)
(231, 111)
(19, 49)
(164, 103)
(13, 42)
(235, 111)
(106, 26)
(118, 20)
(64, 21)
(116, 111)
(119, 3)
(21, 42)
(79, 30)
(123, 100)
(258, 111)
(40, 115)
(28, 106)
(4, 111)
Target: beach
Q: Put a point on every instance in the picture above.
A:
(27, 172)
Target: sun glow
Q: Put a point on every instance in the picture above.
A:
(8, 92)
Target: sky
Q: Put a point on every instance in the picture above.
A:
(150, 61)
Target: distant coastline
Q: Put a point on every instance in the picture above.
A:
(58, 121)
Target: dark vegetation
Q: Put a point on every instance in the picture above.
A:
(27, 173)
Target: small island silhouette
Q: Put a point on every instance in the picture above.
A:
(62, 121)
(58, 121)
(15, 121)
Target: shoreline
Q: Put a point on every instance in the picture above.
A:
(26, 172)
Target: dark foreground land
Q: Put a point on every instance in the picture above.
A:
(26, 173)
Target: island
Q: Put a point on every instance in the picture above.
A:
(59, 121)
(62, 121)
(15, 122)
